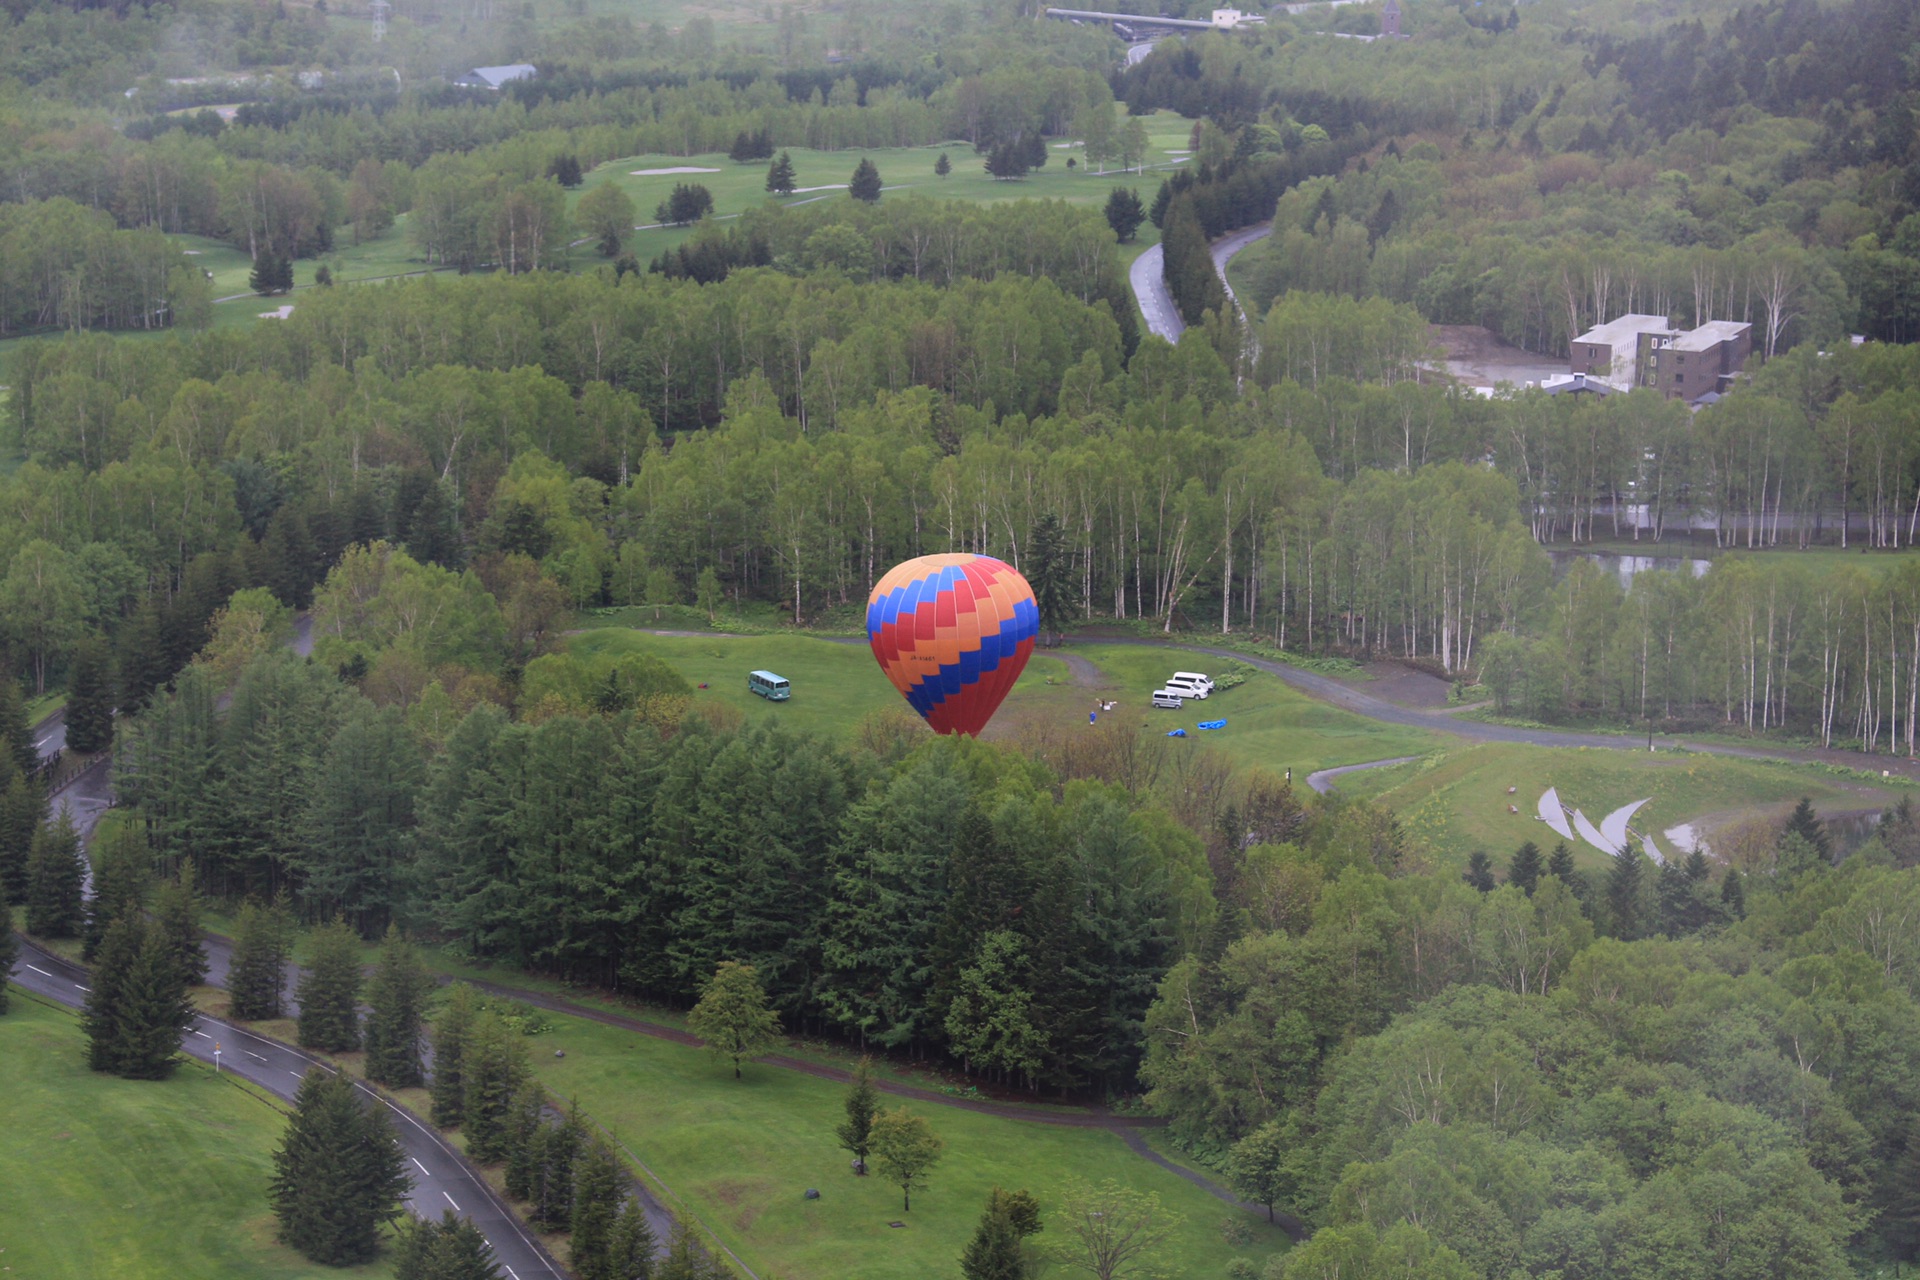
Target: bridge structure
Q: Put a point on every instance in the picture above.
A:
(1135, 26)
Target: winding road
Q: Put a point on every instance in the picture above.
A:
(1148, 277)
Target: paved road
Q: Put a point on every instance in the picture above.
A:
(442, 1179)
(1148, 277)
(1322, 780)
(50, 735)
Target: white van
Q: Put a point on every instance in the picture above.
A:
(1168, 700)
(1190, 684)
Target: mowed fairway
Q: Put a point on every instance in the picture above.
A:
(743, 1153)
(903, 170)
(1453, 804)
(101, 1177)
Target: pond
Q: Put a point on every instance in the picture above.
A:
(1626, 566)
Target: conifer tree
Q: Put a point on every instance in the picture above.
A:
(152, 1011)
(1733, 895)
(943, 166)
(780, 176)
(733, 1017)
(54, 880)
(994, 1253)
(1805, 823)
(1560, 866)
(559, 1151)
(1125, 213)
(1479, 872)
(865, 183)
(9, 952)
(329, 992)
(1050, 574)
(1899, 1219)
(176, 913)
(22, 810)
(1525, 869)
(863, 1103)
(1626, 915)
(338, 1174)
(122, 875)
(448, 1249)
(16, 735)
(396, 1001)
(90, 699)
(257, 976)
(114, 961)
(492, 1067)
(526, 1118)
(450, 1034)
(630, 1247)
(599, 1194)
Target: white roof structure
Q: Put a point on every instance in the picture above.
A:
(495, 77)
(1710, 334)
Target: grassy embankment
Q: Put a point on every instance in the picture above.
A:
(107, 1177)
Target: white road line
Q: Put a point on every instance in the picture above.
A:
(511, 1272)
(295, 1074)
(88, 990)
(454, 1203)
(416, 1164)
(203, 1035)
(37, 969)
(251, 1054)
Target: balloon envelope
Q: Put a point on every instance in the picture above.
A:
(953, 633)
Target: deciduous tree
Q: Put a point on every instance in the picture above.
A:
(905, 1149)
(732, 1016)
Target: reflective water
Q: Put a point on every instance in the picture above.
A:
(1624, 567)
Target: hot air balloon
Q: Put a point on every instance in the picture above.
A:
(953, 633)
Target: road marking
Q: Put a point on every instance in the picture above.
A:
(454, 1203)
(37, 969)
(88, 990)
(416, 1164)
(511, 1272)
(295, 1074)
(203, 1035)
(251, 1054)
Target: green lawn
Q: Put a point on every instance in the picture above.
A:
(1454, 803)
(102, 1177)
(737, 187)
(742, 1153)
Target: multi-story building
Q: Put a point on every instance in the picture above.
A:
(1647, 351)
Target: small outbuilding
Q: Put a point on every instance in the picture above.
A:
(496, 77)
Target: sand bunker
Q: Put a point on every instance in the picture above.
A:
(662, 173)
(280, 313)
(831, 186)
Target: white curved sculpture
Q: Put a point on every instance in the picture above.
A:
(1653, 850)
(1614, 825)
(1553, 814)
(1585, 827)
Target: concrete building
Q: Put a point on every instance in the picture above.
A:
(1647, 351)
(1390, 20)
(495, 77)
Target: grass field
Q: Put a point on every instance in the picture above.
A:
(102, 1177)
(737, 187)
(1454, 803)
(742, 1153)
(836, 685)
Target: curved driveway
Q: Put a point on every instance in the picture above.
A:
(441, 1177)
(1148, 277)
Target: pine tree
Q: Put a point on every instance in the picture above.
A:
(9, 952)
(733, 1017)
(55, 877)
(176, 913)
(450, 1034)
(742, 150)
(90, 699)
(257, 976)
(339, 1173)
(152, 1010)
(1525, 868)
(1125, 213)
(492, 1067)
(100, 1018)
(1899, 1218)
(526, 1123)
(994, 1253)
(630, 1246)
(1733, 895)
(122, 874)
(599, 1194)
(1479, 872)
(559, 1151)
(1049, 573)
(329, 992)
(1560, 866)
(1804, 823)
(22, 810)
(863, 1103)
(943, 166)
(1626, 915)
(780, 176)
(16, 735)
(865, 183)
(396, 1000)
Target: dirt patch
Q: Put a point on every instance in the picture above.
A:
(1480, 357)
(1401, 685)
(745, 1198)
